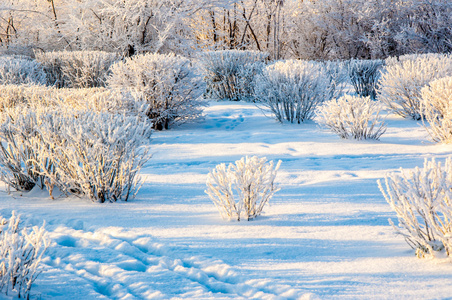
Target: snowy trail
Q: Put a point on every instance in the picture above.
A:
(118, 264)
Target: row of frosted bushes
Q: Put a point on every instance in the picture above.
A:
(344, 96)
(412, 86)
(46, 140)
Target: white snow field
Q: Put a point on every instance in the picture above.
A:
(325, 235)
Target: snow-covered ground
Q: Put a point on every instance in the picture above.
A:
(324, 235)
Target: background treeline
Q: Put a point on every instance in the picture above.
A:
(302, 29)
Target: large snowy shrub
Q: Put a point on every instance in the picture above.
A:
(292, 89)
(21, 70)
(168, 83)
(77, 69)
(229, 74)
(94, 154)
(241, 190)
(364, 75)
(20, 255)
(436, 107)
(352, 117)
(401, 82)
(422, 200)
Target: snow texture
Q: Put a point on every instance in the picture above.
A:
(325, 234)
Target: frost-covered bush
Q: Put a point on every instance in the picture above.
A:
(352, 117)
(337, 73)
(17, 156)
(94, 154)
(241, 190)
(422, 200)
(167, 83)
(364, 75)
(21, 70)
(292, 89)
(77, 69)
(92, 99)
(30, 95)
(436, 107)
(229, 74)
(401, 82)
(20, 256)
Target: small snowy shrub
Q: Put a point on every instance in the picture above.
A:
(77, 69)
(229, 73)
(436, 107)
(401, 83)
(292, 89)
(20, 255)
(364, 75)
(422, 200)
(21, 70)
(167, 83)
(352, 117)
(242, 189)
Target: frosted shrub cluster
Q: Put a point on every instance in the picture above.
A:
(292, 89)
(77, 69)
(20, 255)
(86, 153)
(21, 70)
(436, 107)
(352, 117)
(242, 189)
(422, 200)
(31, 95)
(92, 99)
(364, 75)
(168, 83)
(229, 74)
(401, 82)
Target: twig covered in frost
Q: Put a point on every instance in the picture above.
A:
(20, 255)
(422, 200)
(352, 117)
(242, 189)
